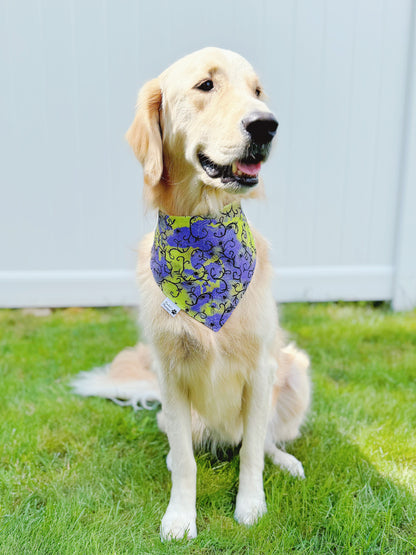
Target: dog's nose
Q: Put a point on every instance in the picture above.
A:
(261, 126)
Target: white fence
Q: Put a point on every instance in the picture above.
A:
(341, 184)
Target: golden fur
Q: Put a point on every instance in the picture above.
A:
(241, 383)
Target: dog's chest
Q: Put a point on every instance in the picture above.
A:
(216, 384)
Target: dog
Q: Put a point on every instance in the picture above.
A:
(216, 357)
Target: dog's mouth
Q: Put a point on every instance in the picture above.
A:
(243, 172)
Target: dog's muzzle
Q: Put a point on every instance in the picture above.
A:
(261, 128)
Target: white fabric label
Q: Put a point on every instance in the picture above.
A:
(170, 307)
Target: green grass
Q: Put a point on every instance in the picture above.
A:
(87, 476)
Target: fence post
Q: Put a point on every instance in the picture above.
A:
(404, 286)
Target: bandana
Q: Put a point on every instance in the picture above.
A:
(204, 264)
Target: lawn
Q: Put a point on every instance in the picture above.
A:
(87, 476)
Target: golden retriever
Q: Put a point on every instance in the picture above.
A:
(201, 131)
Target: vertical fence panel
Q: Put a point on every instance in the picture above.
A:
(338, 197)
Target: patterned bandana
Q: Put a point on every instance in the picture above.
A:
(203, 264)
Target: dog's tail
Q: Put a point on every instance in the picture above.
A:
(128, 380)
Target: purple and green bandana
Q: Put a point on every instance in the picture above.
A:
(204, 264)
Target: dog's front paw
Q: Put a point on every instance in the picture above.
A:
(177, 524)
(249, 509)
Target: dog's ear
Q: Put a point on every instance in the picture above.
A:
(144, 135)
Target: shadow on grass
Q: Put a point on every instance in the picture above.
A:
(343, 506)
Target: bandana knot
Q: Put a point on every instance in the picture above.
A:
(204, 264)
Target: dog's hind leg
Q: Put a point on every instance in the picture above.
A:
(284, 460)
(291, 398)
(291, 394)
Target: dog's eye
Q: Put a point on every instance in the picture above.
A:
(258, 91)
(205, 86)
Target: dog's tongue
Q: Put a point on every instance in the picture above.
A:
(249, 169)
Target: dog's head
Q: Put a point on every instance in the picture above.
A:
(203, 122)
